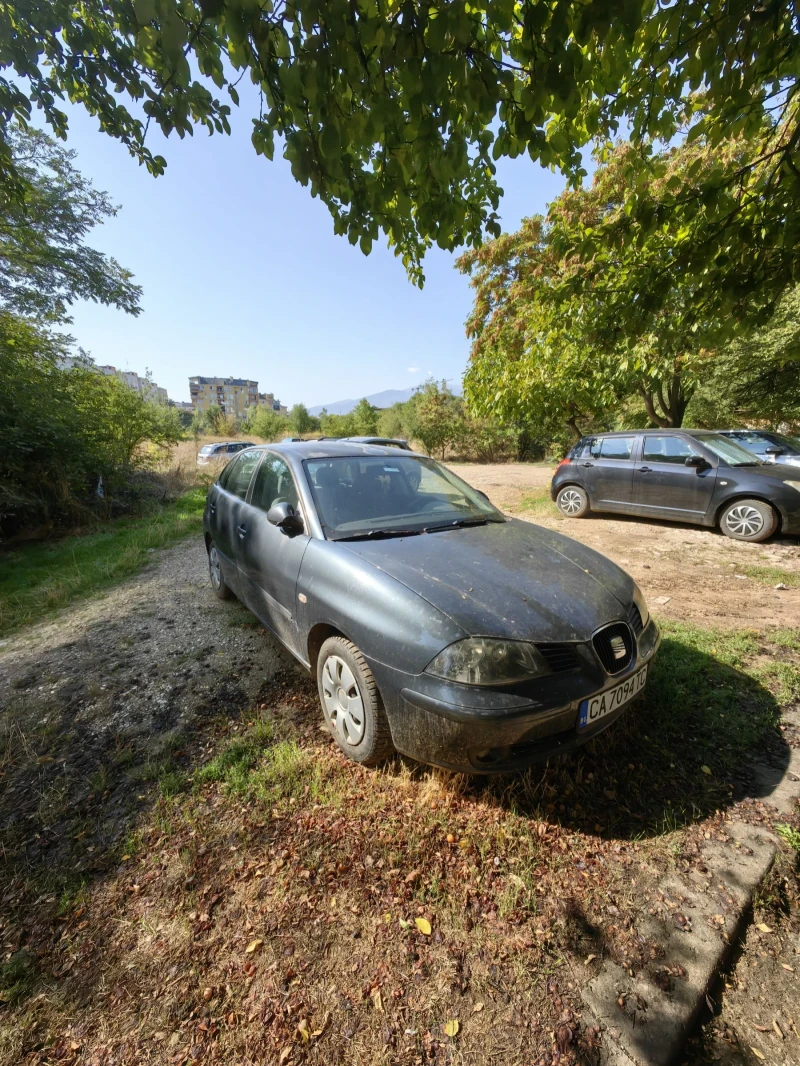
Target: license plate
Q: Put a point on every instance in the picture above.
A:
(597, 707)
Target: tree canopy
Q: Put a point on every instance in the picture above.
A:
(45, 263)
(395, 111)
(570, 336)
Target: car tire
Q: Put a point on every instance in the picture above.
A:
(221, 590)
(573, 501)
(752, 520)
(351, 703)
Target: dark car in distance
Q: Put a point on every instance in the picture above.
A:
(687, 475)
(434, 625)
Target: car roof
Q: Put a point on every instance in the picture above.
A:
(652, 429)
(330, 449)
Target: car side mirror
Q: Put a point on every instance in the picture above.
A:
(697, 461)
(773, 450)
(284, 516)
(480, 492)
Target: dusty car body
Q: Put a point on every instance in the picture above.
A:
(419, 604)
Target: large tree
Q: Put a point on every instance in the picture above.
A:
(570, 336)
(394, 111)
(45, 263)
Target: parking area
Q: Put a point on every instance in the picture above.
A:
(194, 872)
(686, 572)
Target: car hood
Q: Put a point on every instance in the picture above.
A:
(511, 579)
(773, 471)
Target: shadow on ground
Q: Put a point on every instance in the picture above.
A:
(679, 754)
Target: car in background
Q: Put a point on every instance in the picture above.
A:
(435, 625)
(683, 475)
(769, 446)
(221, 450)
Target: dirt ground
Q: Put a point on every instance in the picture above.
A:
(687, 573)
(191, 872)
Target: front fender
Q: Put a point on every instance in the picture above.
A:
(388, 622)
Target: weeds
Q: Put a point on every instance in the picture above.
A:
(36, 579)
(790, 835)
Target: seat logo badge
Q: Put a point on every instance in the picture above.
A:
(618, 647)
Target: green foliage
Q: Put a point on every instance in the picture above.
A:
(338, 425)
(756, 379)
(365, 417)
(395, 114)
(362, 421)
(45, 264)
(265, 423)
(559, 337)
(439, 417)
(38, 578)
(300, 421)
(63, 430)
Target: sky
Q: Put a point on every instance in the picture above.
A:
(244, 277)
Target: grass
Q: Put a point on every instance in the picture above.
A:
(268, 871)
(539, 503)
(772, 575)
(36, 579)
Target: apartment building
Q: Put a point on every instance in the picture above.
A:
(145, 386)
(267, 399)
(234, 396)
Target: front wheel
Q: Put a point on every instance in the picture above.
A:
(751, 520)
(351, 703)
(573, 501)
(221, 589)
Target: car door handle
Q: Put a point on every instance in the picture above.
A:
(242, 531)
(644, 469)
(212, 508)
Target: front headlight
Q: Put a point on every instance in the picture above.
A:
(641, 603)
(488, 661)
(794, 484)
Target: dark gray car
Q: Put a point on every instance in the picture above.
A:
(685, 475)
(435, 625)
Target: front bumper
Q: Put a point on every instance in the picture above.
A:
(478, 730)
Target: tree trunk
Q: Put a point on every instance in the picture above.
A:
(673, 402)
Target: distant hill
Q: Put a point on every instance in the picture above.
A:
(377, 399)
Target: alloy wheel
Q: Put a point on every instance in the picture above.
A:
(570, 501)
(744, 520)
(343, 700)
(214, 568)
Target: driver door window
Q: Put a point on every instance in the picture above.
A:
(273, 484)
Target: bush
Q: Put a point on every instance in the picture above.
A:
(69, 438)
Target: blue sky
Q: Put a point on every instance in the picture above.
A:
(243, 276)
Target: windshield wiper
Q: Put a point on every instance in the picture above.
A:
(457, 524)
(377, 534)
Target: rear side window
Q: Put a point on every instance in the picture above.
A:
(207, 449)
(274, 484)
(237, 474)
(581, 448)
(667, 450)
(616, 447)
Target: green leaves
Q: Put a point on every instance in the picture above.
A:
(389, 114)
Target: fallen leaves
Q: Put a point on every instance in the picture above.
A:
(254, 945)
(452, 1027)
(423, 925)
(758, 1054)
(762, 928)
(706, 770)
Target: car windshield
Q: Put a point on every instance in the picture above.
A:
(728, 450)
(371, 496)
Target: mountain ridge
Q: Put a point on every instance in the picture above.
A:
(377, 399)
